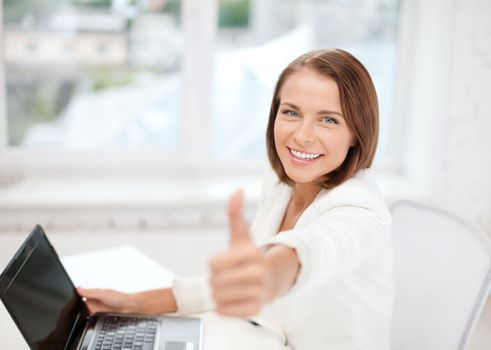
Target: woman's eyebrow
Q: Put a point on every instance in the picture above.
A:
(290, 104)
(331, 112)
(320, 112)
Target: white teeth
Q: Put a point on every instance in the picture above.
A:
(304, 155)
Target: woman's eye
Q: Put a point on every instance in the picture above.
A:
(291, 114)
(329, 120)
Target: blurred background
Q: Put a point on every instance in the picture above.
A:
(132, 121)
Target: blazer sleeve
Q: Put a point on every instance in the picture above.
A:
(346, 226)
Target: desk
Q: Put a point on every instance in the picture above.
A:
(127, 269)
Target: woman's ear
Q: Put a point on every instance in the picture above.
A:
(353, 141)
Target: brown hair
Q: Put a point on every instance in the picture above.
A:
(358, 103)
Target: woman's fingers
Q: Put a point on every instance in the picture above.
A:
(245, 275)
(237, 294)
(104, 300)
(95, 307)
(245, 308)
(239, 281)
(95, 293)
(239, 291)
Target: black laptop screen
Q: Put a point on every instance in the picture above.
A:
(42, 299)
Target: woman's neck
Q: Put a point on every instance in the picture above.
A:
(303, 195)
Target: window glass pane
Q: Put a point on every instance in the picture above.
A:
(258, 38)
(93, 74)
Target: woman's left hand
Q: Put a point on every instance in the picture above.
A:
(240, 276)
(106, 300)
(151, 302)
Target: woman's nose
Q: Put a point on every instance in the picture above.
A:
(304, 133)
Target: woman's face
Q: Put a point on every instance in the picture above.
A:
(311, 135)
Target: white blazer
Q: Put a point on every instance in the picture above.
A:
(342, 298)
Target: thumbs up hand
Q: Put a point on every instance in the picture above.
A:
(240, 276)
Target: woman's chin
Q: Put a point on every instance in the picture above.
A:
(300, 179)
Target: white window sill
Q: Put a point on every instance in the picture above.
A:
(73, 203)
(126, 203)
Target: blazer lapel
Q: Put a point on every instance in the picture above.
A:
(271, 215)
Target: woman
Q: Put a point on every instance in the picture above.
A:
(317, 263)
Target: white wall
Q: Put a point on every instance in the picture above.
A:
(445, 107)
(462, 175)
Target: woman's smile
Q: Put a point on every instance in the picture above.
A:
(304, 158)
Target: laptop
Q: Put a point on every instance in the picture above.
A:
(39, 295)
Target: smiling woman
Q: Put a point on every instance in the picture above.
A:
(321, 239)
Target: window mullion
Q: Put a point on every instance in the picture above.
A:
(199, 22)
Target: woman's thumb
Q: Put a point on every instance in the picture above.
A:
(239, 229)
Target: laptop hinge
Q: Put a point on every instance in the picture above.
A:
(81, 340)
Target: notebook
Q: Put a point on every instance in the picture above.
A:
(42, 300)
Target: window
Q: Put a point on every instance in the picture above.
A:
(92, 74)
(256, 39)
(172, 76)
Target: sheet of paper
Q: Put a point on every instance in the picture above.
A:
(123, 268)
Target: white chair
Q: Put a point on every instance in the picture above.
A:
(442, 276)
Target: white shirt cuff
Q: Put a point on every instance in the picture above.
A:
(193, 294)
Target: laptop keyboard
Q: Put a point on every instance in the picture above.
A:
(127, 333)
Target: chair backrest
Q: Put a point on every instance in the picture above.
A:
(442, 276)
